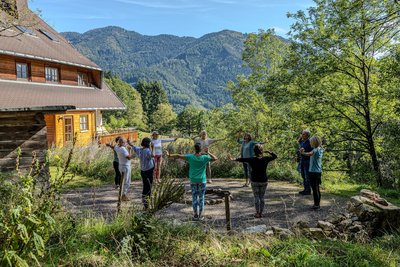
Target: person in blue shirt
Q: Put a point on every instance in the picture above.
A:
(197, 176)
(247, 151)
(304, 143)
(315, 169)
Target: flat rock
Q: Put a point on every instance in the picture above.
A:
(256, 229)
(317, 233)
(326, 226)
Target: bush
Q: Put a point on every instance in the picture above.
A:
(28, 202)
(92, 161)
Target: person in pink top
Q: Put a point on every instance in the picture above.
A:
(156, 145)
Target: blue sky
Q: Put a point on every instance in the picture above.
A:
(178, 17)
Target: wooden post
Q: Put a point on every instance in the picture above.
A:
(121, 185)
(227, 211)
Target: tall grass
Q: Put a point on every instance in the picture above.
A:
(141, 240)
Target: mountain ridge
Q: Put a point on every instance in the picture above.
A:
(192, 70)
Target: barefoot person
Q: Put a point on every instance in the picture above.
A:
(205, 143)
(247, 151)
(146, 158)
(259, 179)
(124, 159)
(315, 169)
(117, 178)
(304, 143)
(197, 176)
(156, 145)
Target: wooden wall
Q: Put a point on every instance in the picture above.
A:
(55, 126)
(26, 130)
(68, 74)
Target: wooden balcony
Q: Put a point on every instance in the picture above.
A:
(109, 137)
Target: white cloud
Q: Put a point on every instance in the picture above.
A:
(168, 5)
(280, 30)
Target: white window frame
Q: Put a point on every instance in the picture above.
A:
(52, 74)
(18, 66)
(84, 123)
(83, 79)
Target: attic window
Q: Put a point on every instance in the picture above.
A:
(25, 30)
(49, 35)
(10, 7)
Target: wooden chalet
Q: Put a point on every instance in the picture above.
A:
(49, 92)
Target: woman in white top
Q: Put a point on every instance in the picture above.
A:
(156, 145)
(124, 159)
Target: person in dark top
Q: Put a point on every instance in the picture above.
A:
(304, 144)
(117, 178)
(259, 179)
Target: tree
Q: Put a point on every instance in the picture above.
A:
(152, 94)
(164, 118)
(14, 14)
(337, 49)
(191, 121)
(133, 115)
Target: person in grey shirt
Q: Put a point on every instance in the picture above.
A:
(146, 159)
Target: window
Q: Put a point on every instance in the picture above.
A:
(49, 35)
(82, 79)
(51, 74)
(25, 30)
(83, 122)
(22, 70)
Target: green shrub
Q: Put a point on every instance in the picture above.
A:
(28, 201)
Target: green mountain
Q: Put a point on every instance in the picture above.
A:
(192, 70)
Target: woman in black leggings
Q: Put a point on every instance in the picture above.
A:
(259, 179)
(315, 169)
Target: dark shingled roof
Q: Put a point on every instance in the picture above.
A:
(17, 95)
(40, 46)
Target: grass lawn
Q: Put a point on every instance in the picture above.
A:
(78, 181)
(347, 189)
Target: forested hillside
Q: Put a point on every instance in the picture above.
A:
(192, 70)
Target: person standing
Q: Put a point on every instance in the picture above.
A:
(156, 145)
(205, 143)
(117, 178)
(304, 143)
(259, 178)
(315, 170)
(124, 160)
(247, 151)
(146, 159)
(197, 176)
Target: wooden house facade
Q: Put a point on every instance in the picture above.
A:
(46, 88)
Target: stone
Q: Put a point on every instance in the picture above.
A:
(256, 229)
(317, 233)
(355, 228)
(343, 225)
(369, 194)
(269, 233)
(301, 225)
(326, 226)
(354, 218)
(282, 232)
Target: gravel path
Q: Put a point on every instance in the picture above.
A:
(284, 206)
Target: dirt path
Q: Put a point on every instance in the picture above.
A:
(284, 206)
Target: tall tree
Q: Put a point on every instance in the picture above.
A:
(191, 121)
(14, 14)
(338, 46)
(133, 115)
(152, 94)
(164, 118)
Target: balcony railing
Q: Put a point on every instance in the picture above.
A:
(109, 137)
